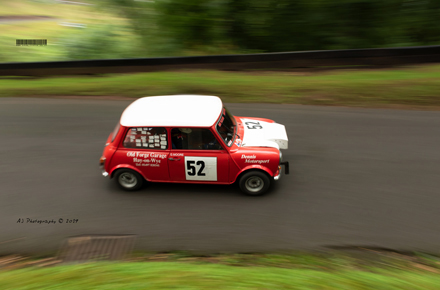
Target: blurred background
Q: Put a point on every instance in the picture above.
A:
(100, 29)
(360, 178)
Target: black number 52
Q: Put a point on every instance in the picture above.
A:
(253, 125)
(192, 169)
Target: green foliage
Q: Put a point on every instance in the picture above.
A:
(286, 25)
(152, 39)
(147, 28)
(99, 42)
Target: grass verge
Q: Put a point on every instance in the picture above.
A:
(412, 86)
(366, 269)
(175, 275)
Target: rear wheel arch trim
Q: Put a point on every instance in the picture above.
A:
(126, 166)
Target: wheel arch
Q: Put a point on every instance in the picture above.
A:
(126, 166)
(253, 168)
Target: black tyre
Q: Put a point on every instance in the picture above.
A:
(254, 183)
(128, 179)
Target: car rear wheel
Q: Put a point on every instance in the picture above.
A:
(254, 183)
(129, 179)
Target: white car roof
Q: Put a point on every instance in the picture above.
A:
(173, 111)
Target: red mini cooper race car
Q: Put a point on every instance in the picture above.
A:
(193, 139)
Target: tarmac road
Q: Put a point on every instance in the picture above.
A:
(359, 177)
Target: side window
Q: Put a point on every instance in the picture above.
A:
(194, 139)
(146, 138)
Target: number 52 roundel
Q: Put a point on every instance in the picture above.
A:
(201, 168)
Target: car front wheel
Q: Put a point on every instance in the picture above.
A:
(254, 183)
(128, 179)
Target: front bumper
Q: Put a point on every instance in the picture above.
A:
(286, 169)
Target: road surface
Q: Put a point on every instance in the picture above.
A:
(359, 177)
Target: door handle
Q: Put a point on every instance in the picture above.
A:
(172, 159)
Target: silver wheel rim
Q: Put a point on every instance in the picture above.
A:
(254, 184)
(127, 180)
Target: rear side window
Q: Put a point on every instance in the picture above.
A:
(146, 138)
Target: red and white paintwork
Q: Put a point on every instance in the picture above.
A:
(256, 146)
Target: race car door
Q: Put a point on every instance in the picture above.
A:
(197, 156)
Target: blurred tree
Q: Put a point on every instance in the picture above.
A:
(173, 26)
(420, 21)
(142, 18)
(98, 42)
(191, 21)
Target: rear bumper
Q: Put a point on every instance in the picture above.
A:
(286, 169)
(102, 165)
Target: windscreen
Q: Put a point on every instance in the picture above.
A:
(226, 127)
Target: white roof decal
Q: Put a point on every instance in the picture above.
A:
(173, 111)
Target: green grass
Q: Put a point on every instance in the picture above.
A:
(360, 269)
(411, 87)
(175, 275)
